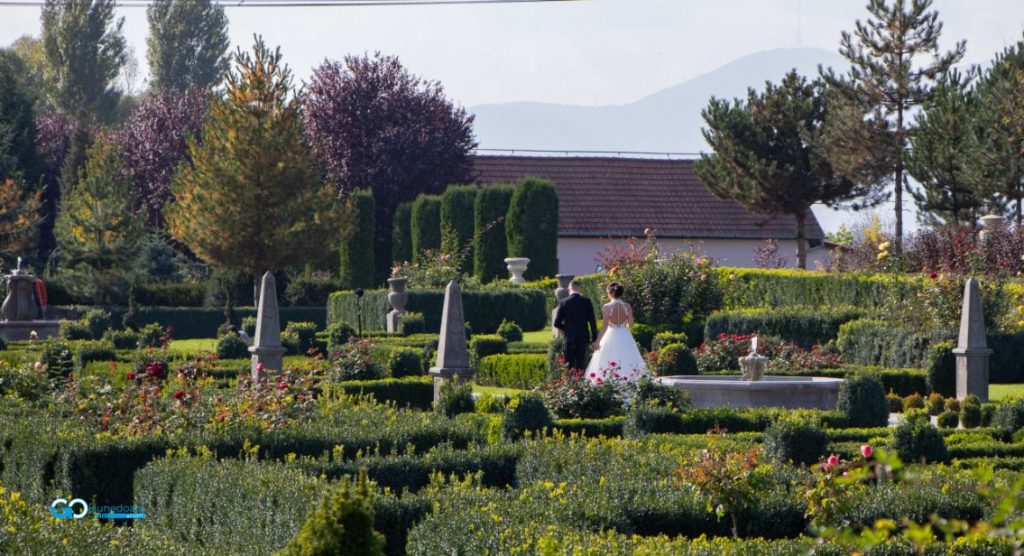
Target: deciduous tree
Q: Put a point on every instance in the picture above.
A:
(377, 126)
(188, 44)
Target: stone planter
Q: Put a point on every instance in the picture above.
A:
(516, 267)
(990, 223)
(562, 291)
(397, 297)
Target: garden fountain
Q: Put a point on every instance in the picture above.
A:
(753, 389)
(21, 309)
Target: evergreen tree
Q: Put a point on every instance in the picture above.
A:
(249, 196)
(998, 165)
(30, 51)
(531, 226)
(19, 217)
(942, 146)
(85, 49)
(188, 44)
(401, 243)
(341, 524)
(766, 155)
(99, 238)
(885, 81)
(356, 248)
(457, 203)
(489, 230)
(17, 121)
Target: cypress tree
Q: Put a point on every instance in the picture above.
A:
(489, 229)
(401, 244)
(531, 226)
(426, 225)
(188, 44)
(457, 215)
(357, 241)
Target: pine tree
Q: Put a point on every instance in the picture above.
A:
(766, 155)
(942, 146)
(188, 44)
(99, 238)
(17, 121)
(85, 49)
(998, 167)
(870, 143)
(249, 196)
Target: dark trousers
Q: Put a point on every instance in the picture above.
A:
(575, 355)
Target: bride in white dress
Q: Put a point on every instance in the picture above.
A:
(616, 356)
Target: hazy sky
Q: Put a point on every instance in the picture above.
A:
(586, 52)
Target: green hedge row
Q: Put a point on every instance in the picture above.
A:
(754, 287)
(489, 228)
(202, 322)
(901, 381)
(483, 310)
(805, 326)
(416, 393)
(457, 205)
(401, 235)
(250, 507)
(355, 249)
(520, 370)
(531, 226)
(426, 224)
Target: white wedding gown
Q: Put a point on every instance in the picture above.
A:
(619, 358)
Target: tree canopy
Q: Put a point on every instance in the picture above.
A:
(188, 44)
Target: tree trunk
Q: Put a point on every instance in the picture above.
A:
(898, 240)
(801, 240)
(1018, 212)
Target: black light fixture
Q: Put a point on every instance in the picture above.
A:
(359, 309)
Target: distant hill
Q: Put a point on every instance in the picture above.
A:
(668, 120)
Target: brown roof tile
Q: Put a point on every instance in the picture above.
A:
(619, 197)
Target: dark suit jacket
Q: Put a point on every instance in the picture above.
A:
(576, 313)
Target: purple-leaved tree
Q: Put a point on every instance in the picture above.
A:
(375, 125)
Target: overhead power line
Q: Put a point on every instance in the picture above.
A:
(309, 3)
(591, 152)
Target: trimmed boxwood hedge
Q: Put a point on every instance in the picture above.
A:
(202, 322)
(483, 310)
(457, 204)
(805, 326)
(413, 392)
(426, 224)
(401, 235)
(492, 246)
(355, 248)
(531, 226)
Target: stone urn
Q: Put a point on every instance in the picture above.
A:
(990, 223)
(562, 291)
(397, 297)
(20, 304)
(516, 267)
(753, 365)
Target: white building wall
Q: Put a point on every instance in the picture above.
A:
(579, 256)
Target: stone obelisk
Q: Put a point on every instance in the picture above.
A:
(267, 351)
(972, 352)
(452, 351)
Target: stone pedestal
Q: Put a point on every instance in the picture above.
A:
(267, 349)
(452, 351)
(753, 367)
(397, 297)
(516, 267)
(990, 223)
(972, 352)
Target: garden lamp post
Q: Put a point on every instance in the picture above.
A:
(359, 310)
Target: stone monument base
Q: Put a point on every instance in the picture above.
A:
(272, 359)
(394, 322)
(21, 329)
(440, 375)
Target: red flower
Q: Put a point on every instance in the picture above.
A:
(592, 375)
(933, 275)
(866, 450)
(131, 376)
(282, 386)
(722, 336)
(599, 381)
(612, 363)
(179, 394)
(260, 367)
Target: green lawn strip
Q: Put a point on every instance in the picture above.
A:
(496, 390)
(1000, 391)
(538, 335)
(191, 347)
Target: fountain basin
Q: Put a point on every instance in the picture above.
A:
(21, 329)
(813, 392)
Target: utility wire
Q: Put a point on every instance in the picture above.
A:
(306, 3)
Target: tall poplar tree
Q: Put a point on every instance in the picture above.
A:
(894, 60)
(766, 154)
(942, 147)
(85, 49)
(188, 44)
(249, 195)
(99, 237)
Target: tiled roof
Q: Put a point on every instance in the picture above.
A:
(620, 197)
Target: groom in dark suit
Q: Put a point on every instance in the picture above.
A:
(575, 318)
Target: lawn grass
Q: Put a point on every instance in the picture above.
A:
(1000, 391)
(543, 336)
(496, 390)
(193, 346)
